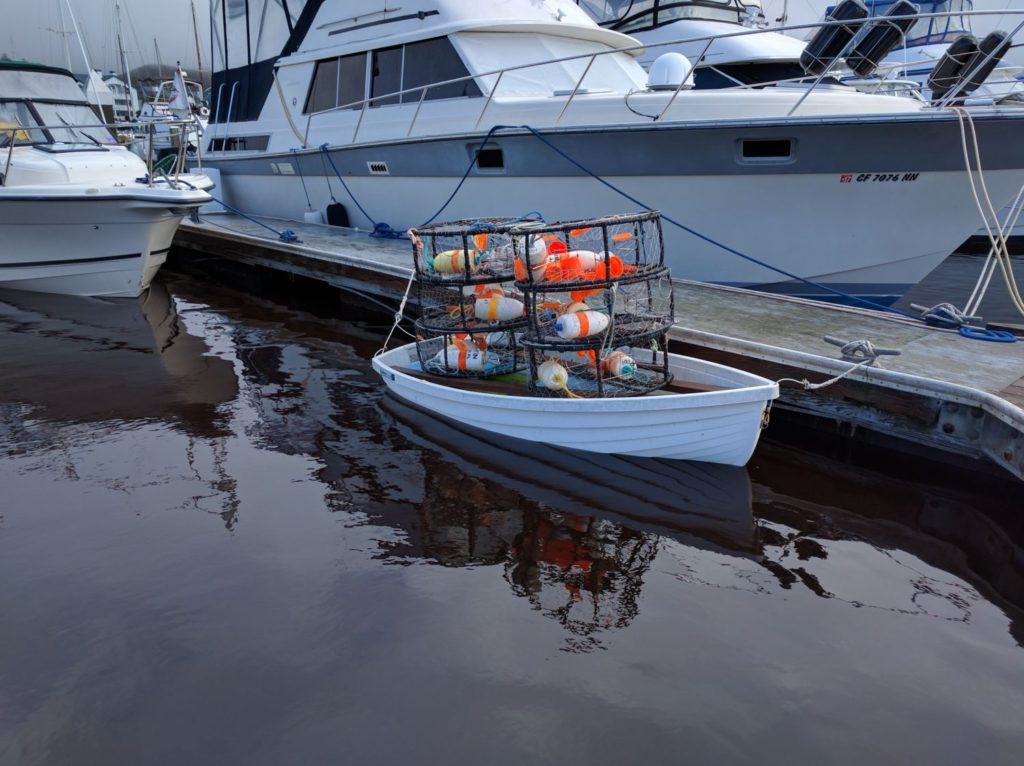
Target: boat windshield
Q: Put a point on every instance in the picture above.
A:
(16, 123)
(39, 105)
(639, 15)
(196, 95)
(64, 124)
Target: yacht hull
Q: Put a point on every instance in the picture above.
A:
(738, 216)
(79, 246)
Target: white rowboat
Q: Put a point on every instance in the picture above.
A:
(718, 426)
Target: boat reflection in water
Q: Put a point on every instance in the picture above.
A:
(79, 360)
(575, 532)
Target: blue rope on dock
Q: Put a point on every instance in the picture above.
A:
(287, 235)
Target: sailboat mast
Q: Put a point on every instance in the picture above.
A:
(85, 57)
(128, 107)
(159, 61)
(195, 32)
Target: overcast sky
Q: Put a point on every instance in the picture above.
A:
(33, 30)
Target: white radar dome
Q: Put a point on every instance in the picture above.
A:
(670, 71)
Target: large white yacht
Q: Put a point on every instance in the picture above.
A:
(78, 214)
(529, 105)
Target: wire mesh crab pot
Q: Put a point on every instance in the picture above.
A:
(599, 372)
(573, 255)
(460, 253)
(617, 314)
(490, 306)
(469, 354)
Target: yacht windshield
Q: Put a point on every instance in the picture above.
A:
(639, 15)
(72, 123)
(18, 124)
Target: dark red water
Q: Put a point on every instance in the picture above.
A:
(221, 543)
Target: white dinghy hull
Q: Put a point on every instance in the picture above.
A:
(715, 426)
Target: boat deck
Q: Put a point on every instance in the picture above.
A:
(942, 390)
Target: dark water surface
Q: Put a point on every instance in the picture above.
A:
(221, 543)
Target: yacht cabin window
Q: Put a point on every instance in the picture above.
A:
(639, 15)
(342, 81)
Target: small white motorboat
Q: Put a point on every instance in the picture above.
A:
(709, 412)
(80, 214)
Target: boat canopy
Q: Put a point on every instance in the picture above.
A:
(248, 36)
(640, 15)
(38, 82)
(32, 96)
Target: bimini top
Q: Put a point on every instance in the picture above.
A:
(26, 80)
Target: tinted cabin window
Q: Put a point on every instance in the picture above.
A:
(324, 93)
(352, 80)
(769, 149)
(435, 61)
(387, 75)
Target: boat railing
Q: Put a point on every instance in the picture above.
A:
(421, 91)
(179, 128)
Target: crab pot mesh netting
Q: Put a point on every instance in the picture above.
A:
(464, 252)
(572, 254)
(613, 315)
(599, 372)
(472, 354)
(484, 306)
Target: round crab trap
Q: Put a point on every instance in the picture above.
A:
(602, 372)
(469, 354)
(467, 252)
(615, 314)
(487, 306)
(573, 255)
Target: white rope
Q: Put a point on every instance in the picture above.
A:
(808, 386)
(997, 238)
(399, 315)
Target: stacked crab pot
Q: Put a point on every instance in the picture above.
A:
(599, 303)
(471, 313)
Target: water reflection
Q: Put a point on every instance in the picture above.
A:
(574, 534)
(81, 360)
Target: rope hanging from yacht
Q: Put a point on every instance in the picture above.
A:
(999, 252)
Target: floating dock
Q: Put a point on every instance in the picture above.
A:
(942, 392)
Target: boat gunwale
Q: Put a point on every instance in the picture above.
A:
(764, 391)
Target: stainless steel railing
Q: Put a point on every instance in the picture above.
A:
(709, 40)
(178, 129)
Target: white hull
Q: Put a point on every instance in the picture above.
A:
(881, 258)
(717, 427)
(78, 246)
